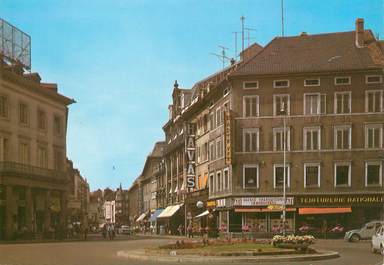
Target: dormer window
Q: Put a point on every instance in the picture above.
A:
(280, 83)
(312, 82)
(250, 84)
(345, 80)
(373, 79)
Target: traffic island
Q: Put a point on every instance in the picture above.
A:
(225, 251)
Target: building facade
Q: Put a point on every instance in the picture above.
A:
(33, 128)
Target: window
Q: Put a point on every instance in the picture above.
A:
(342, 137)
(212, 151)
(250, 85)
(250, 106)
(58, 159)
(23, 114)
(312, 139)
(4, 149)
(343, 174)
(373, 100)
(24, 156)
(373, 79)
(344, 80)
(278, 139)
(373, 173)
(212, 120)
(205, 151)
(211, 183)
(342, 102)
(373, 136)
(250, 140)
(281, 105)
(250, 176)
(41, 120)
(219, 181)
(219, 148)
(219, 117)
(312, 82)
(278, 180)
(4, 105)
(226, 179)
(312, 175)
(42, 157)
(280, 83)
(314, 103)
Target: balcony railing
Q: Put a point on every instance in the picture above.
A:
(17, 169)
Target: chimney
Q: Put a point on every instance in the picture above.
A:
(359, 33)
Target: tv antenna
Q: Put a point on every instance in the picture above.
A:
(282, 18)
(235, 34)
(248, 34)
(242, 18)
(222, 57)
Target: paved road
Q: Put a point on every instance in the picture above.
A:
(103, 252)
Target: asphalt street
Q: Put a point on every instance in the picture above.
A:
(103, 252)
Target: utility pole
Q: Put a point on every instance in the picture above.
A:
(284, 112)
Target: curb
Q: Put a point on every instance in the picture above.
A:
(142, 255)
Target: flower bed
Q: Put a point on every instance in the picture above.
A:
(292, 241)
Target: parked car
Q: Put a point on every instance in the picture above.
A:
(125, 229)
(365, 232)
(377, 242)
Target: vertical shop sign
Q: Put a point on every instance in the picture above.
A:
(190, 150)
(228, 136)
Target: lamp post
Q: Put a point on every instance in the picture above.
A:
(283, 111)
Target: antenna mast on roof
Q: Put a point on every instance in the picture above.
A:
(282, 18)
(248, 34)
(235, 33)
(242, 18)
(222, 57)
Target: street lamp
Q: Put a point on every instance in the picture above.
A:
(283, 111)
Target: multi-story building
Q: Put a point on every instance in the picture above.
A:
(134, 204)
(329, 90)
(95, 209)
(33, 129)
(122, 206)
(78, 195)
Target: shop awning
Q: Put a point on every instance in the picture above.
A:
(155, 214)
(169, 211)
(261, 210)
(141, 217)
(324, 210)
(202, 214)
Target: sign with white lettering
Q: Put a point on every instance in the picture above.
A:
(262, 201)
(228, 136)
(346, 200)
(190, 151)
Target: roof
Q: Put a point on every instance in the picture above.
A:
(310, 53)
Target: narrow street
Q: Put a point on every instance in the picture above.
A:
(103, 252)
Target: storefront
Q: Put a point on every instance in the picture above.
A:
(170, 219)
(255, 214)
(324, 213)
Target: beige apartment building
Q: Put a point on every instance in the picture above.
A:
(33, 128)
(329, 90)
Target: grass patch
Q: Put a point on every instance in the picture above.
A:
(220, 248)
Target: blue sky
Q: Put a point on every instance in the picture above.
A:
(118, 59)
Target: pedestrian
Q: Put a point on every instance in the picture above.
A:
(180, 229)
(190, 230)
(104, 231)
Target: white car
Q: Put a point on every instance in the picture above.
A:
(377, 242)
(365, 232)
